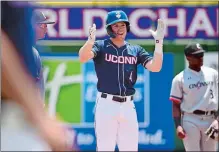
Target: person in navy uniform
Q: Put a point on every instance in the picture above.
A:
(116, 63)
(39, 23)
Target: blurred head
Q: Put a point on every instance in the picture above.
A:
(194, 54)
(40, 21)
(117, 24)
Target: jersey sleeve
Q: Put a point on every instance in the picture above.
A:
(39, 78)
(96, 49)
(143, 56)
(176, 91)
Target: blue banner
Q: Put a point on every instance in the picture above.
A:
(154, 110)
(188, 22)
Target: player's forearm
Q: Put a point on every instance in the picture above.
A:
(85, 52)
(176, 114)
(156, 64)
(17, 85)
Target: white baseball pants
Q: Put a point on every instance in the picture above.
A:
(195, 127)
(115, 123)
(17, 134)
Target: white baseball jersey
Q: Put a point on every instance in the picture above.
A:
(196, 90)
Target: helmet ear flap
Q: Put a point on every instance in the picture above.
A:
(110, 32)
(128, 27)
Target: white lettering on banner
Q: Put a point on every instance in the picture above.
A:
(138, 95)
(179, 21)
(134, 18)
(89, 15)
(201, 22)
(85, 139)
(90, 94)
(140, 78)
(91, 77)
(59, 80)
(144, 138)
(153, 139)
(64, 30)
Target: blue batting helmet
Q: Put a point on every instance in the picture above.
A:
(114, 17)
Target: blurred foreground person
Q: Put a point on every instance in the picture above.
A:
(25, 125)
(39, 23)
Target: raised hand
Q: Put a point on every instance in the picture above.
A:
(159, 33)
(92, 34)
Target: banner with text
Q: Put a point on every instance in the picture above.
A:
(189, 22)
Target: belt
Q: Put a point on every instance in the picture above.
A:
(200, 112)
(117, 98)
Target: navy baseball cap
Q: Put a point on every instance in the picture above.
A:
(193, 48)
(40, 18)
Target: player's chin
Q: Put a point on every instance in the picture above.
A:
(201, 64)
(121, 37)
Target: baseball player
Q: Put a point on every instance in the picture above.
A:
(39, 21)
(25, 125)
(194, 94)
(116, 63)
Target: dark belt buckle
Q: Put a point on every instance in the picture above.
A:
(119, 99)
(207, 113)
(210, 113)
(123, 99)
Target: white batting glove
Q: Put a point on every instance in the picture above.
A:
(159, 33)
(92, 34)
(159, 36)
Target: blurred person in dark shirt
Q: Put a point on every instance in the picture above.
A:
(39, 24)
(25, 125)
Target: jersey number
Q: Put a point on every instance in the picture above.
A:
(211, 93)
(130, 77)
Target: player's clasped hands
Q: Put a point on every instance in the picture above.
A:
(92, 34)
(159, 33)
